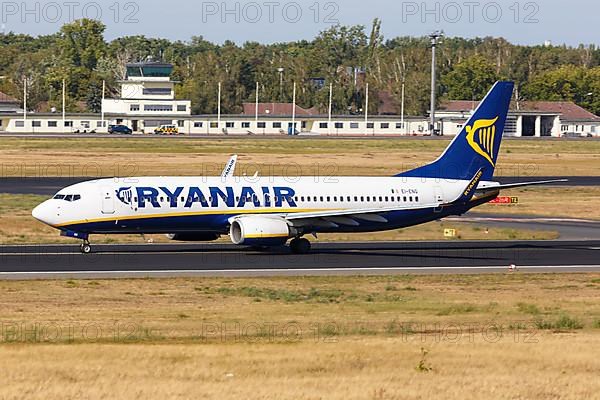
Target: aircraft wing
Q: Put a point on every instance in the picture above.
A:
(353, 216)
(365, 214)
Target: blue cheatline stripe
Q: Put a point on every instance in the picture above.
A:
(219, 223)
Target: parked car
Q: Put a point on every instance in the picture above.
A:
(122, 129)
(85, 127)
(167, 130)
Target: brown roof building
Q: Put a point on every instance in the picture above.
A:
(529, 118)
(9, 104)
(278, 109)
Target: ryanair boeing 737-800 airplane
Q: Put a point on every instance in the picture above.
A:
(269, 211)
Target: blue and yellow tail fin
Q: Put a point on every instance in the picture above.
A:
(477, 146)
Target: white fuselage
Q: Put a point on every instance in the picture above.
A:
(121, 201)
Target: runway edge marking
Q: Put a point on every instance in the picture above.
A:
(272, 271)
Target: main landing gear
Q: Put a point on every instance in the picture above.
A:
(85, 247)
(300, 246)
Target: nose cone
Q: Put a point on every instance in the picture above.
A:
(43, 213)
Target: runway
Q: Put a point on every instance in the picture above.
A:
(111, 261)
(567, 228)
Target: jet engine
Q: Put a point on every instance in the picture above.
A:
(260, 231)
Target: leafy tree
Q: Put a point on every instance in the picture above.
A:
(470, 79)
(79, 54)
(82, 42)
(94, 98)
(578, 84)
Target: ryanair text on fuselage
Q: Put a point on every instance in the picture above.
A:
(214, 197)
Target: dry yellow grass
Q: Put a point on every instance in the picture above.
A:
(276, 156)
(574, 202)
(177, 309)
(358, 337)
(557, 367)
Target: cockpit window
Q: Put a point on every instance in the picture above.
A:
(68, 197)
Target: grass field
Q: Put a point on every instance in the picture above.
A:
(276, 156)
(402, 337)
(293, 157)
(507, 336)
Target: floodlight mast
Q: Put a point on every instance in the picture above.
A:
(435, 38)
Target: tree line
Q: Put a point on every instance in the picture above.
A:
(346, 56)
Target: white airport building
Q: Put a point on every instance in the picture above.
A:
(147, 100)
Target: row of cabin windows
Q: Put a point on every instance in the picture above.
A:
(362, 199)
(322, 199)
(355, 125)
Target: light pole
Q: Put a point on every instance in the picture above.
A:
(330, 109)
(102, 104)
(280, 70)
(256, 107)
(64, 104)
(403, 94)
(294, 111)
(25, 100)
(435, 37)
(219, 109)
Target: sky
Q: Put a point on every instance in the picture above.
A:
(268, 21)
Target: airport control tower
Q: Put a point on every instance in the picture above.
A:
(147, 98)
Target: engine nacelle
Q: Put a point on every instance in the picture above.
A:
(260, 231)
(193, 237)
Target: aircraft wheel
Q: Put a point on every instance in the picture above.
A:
(86, 248)
(300, 246)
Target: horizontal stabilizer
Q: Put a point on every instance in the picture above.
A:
(520, 184)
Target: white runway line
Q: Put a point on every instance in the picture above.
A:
(286, 270)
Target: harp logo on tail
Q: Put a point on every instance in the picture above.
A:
(481, 137)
